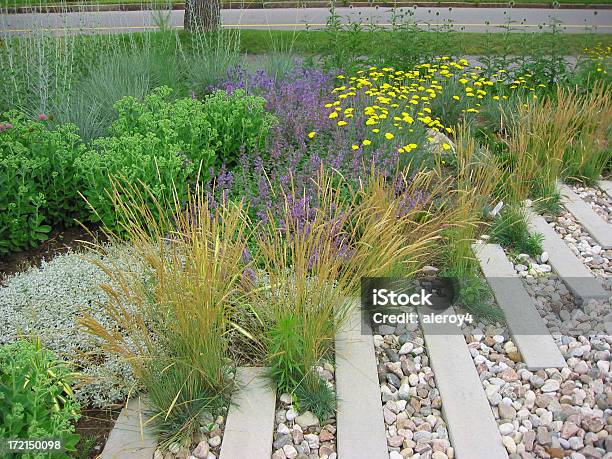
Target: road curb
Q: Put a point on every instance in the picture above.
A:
(76, 8)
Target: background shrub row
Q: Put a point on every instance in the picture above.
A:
(46, 169)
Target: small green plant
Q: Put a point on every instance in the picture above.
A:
(550, 204)
(476, 296)
(85, 448)
(510, 229)
(36, 400)
(316, 396)
(285, 348)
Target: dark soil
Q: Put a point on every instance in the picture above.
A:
(60, 241)
(94, 427)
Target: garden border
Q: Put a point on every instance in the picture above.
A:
(250, 420)
(360, 427)
(129, 436)
(472, 428)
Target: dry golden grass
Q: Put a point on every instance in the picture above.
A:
(586, 157)
(172, 326)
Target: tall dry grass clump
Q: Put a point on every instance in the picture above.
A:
(539, 133)
(396, 224)
(302, 255)
(473, 193)
(172, 327)
(314, 257)
(566, 136)
(477, 176)
(590, 153)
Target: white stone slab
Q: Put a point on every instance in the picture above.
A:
(130, 437)
(579, 280)
(471, 426)
(249, 428)
(529, 332)
(596, 226)
(360, 423)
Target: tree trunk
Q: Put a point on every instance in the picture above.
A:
(202, 15)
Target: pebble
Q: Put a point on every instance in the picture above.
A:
(411, 402)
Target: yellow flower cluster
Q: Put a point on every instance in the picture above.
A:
(601, 55)
(397, 106)
(393, 103)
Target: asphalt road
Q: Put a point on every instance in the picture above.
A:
(466, 19)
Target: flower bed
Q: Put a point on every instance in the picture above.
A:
(255, 209)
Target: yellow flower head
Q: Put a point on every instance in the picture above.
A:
(366, 142)
(311, 134)
(388, 135)
(355, 147)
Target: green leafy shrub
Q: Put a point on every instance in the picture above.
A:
(510, 230)
(36, 401)
(475, 295)
(166, 144)
(131, 161)
(38, 181)
(211, 131)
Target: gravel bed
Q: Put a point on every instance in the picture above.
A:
(549, 413)
(412, 406)
(303, 435)
(597, 199)
(205, 444)
(599, 261)
(552, 413)
(46, 302)
(561, 313)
